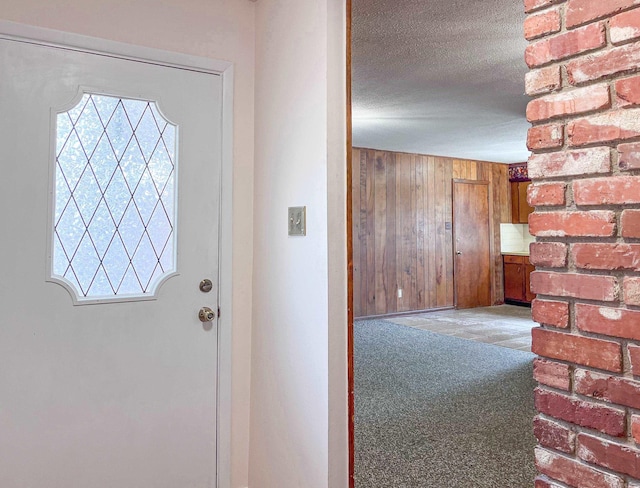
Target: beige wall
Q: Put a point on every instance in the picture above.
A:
(299, 288)
(337, 245)
(218, 29)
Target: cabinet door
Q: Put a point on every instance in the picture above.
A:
(523, 205)
(528, 269)
(513, 281)
(520, 208)
(515, 205)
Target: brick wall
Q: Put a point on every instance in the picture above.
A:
(584, 60)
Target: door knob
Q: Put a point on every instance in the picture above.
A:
(458, 252)
(206, 314)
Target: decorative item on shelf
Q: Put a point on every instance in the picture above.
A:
(518, 172)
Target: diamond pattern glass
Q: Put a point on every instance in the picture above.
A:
(114, 203)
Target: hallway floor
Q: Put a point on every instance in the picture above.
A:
(503, 325)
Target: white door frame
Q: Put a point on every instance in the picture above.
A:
(75, 42)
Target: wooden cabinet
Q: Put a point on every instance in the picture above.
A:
(517, 270)
(520, 208)
(528, 269)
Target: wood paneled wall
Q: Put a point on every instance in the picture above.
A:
(402, 228)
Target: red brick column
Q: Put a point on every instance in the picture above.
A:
(584, 60)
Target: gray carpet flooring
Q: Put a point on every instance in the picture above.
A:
(437, 411)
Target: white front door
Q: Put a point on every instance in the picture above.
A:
(107, 375)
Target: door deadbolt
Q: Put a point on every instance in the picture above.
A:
(206, 286)
(206, 314)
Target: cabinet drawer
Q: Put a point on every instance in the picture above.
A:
(511, 259)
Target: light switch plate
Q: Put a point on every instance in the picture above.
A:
(297, 221)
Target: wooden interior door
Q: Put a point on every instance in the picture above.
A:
(472, 244)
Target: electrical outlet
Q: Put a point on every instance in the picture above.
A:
(297, 221)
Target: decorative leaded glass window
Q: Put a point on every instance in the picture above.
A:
(114, 206)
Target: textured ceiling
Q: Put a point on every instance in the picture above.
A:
(440, 77)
